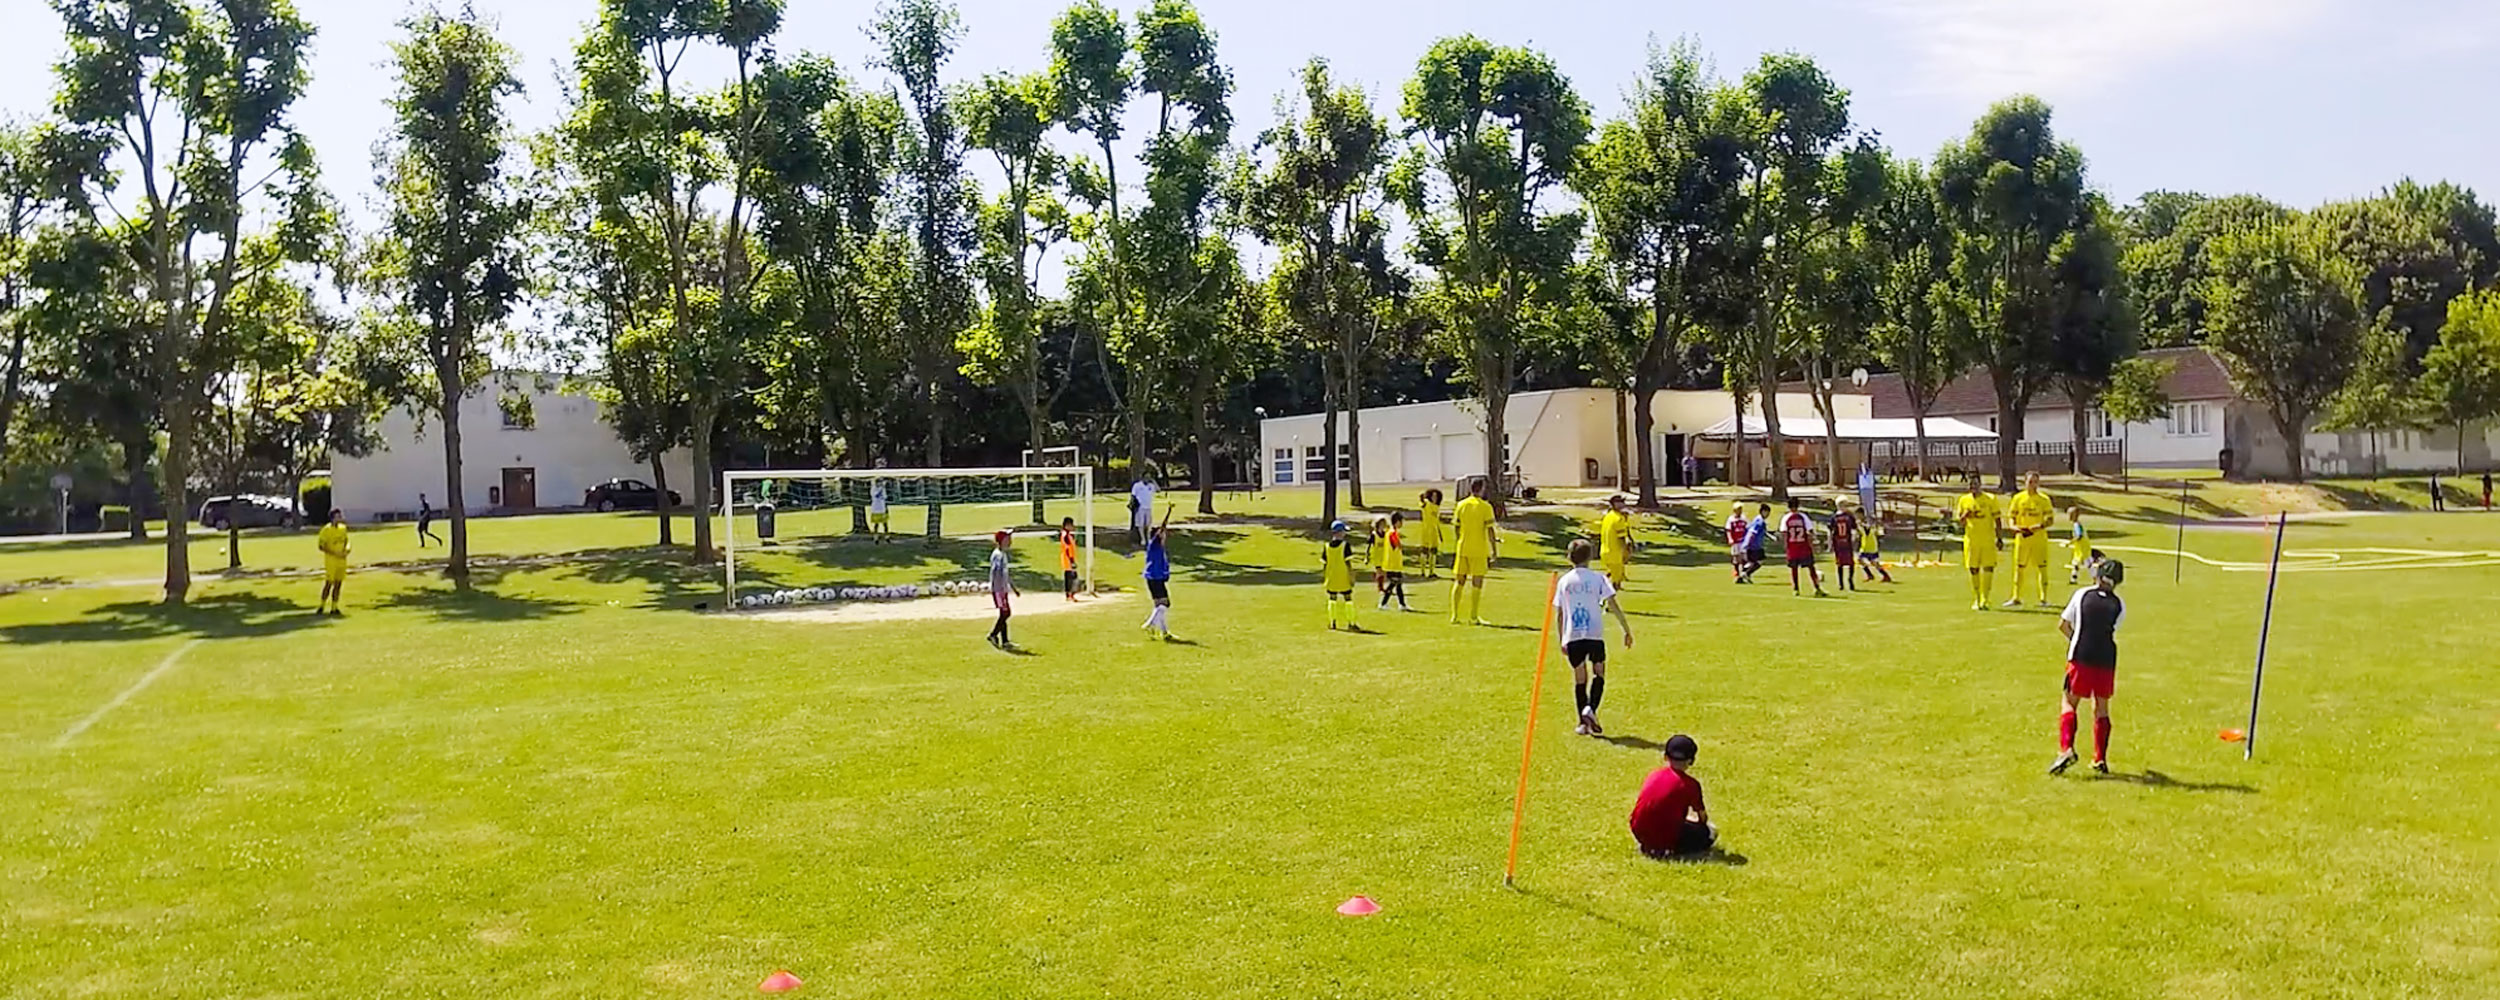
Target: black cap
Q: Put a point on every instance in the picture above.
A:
(2112, 570)
(1681, 747)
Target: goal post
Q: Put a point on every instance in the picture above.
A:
(772, 518)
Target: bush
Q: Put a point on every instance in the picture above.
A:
(316, 501)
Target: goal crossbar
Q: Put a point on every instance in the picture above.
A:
(1081, 477)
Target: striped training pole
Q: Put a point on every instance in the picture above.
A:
(2274, 571)
(1527, 748)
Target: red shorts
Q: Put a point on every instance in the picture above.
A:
(2090, 682)
(999, 599)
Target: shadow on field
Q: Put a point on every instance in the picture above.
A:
(219, 616)
(1641, 930)
(2155, 779)
(1636, 743)
(1713, 856)
(480, 604)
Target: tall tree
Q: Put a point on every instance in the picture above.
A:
(1011, 117)
(2381, 396)
(2013, 195)
(1837, 284)
(453, 240)
(2165, 237)
(189, 101)
(1494, 129)
(1660, 186)
(1094, 76)
(2418, 248)
(1314, 198)
(2283, 313)
(2461, 374)
(25, 202)
(1911, 334)
(939, 201)
(85, 310)
(2093, 326)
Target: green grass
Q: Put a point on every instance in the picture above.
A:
(569, 786)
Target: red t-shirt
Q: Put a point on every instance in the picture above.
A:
(1799, 531)
(1736, 530)
(1658, 815)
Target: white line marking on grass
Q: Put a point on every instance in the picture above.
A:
(2335, 561)
(171, 660)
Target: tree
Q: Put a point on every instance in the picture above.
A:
(453, 239)
(1093, 78)
(26, 204)
(1493, 130)
(2380, 396)
(2461, 374)
(86, 311)
(2014, 196)
(1836, 285)
(2092, 327)
(185, 98)
(2418, 248)
(2164, 260)
(1660, 186)
(938, 203)
(1011, 117)
(1316, 200)
(2137, 391)
(2283, 314)
(1911, 334)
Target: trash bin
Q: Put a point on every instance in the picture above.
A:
(764, 521)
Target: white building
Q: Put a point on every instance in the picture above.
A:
(2207, 416)
(1556, 438)
(506, 466)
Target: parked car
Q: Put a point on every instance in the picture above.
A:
(626, 494)
(247, 510)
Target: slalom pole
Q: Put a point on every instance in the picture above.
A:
(2274, 570)
(2178, 549)
(1527, 748)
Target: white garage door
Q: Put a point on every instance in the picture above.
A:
(1462, 455)
(1419, 460)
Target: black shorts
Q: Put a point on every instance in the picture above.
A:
(1395, 575)
(1753, 556)
(1160, 590)
(1580, 651)
(1800, 562)
(1068, 577)
(1345, 594)
(1694, 838)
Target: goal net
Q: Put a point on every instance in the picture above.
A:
(790, 534)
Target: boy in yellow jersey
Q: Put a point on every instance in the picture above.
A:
(1336, 573)
(1428, 531)
(1472, 522)
(2081, 557)
(2032, 515)
(333, 544)
(1389, 558)
(1614, 541)
(1978, 515)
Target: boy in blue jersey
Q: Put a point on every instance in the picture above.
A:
(1757, 535)
(1159, 578)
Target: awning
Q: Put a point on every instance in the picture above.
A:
(1890, 429)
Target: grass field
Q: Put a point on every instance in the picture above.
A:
(571, 785)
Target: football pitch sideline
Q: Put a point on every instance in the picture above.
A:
(572, 784)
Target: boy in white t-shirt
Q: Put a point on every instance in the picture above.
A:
(1579, 598)
(880, 516)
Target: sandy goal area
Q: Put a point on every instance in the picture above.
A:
(970, 607)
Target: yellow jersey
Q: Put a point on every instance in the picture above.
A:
(2031, 510)
(1428, 526)
(1977, 514)
(1614, 536)
(1335, 571)
(333, 541)
(1389, 552)
(1473, 520)
(2079, 545)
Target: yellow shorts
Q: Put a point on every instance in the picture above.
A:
(1979, 554)
(1618, 570)
(334, 571)
(1468, 565)
(2079, 554)
(880, 520)
(2032, 551)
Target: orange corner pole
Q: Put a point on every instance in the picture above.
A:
(1527, 747)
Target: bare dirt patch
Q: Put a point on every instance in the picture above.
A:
(973, 607)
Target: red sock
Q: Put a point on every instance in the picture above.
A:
(2100, 739)
(2066, 733)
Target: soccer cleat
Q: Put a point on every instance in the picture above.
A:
(2064, 761)
(2013, 602)
(1594, 728)
(1818, 592)
(1583, 728)
(2101, 766)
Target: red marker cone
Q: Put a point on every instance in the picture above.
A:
(780, 982)
(1359, 906)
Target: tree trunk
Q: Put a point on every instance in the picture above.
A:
(1818, 384)
(2009, 432)
(455, 498)
(1773, 437)
(179, 434)
(1035, 430)
(9, 392)
(1918, 426)
(1199, 428)
(2460, 449)
(1329, 401)
(704, 415)
(1739, 471)
(659, 499)
(2083, 430)
(2289, 425)
(1496, 417)
(1353, 405)
(135, 472)
(1623, 438)
(1644, 428)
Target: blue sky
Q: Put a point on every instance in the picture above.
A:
(2299, 100)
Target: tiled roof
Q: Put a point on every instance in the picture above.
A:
(2195, 375)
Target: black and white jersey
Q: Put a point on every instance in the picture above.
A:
(2095, 614)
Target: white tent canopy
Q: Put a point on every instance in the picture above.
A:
(1890, 429)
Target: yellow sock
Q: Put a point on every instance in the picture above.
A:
(1458, 597)
(1475, 602)
(1987, 583)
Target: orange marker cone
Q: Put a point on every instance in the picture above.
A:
(780, 982)
(2233, 736)
(1359, 906)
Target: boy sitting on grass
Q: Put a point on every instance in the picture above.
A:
(1669, 819)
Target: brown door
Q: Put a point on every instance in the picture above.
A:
(520, 489)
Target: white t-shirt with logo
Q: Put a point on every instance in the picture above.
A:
(876, 497)
(1581, 601)
(1143, 491)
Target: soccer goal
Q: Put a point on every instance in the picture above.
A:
(775, 517)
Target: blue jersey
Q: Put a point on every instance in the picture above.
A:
(1158, 563)
(1757, 533)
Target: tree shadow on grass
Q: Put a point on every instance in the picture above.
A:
(481, 603)
(2155, 779)
(217, 616)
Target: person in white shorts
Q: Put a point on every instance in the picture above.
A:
(1579, 598)
(1141, 507)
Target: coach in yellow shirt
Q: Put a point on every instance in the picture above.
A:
(1614, 541)
(1978, 515)
(1472, 522)
(2032, 514)
(333, 544)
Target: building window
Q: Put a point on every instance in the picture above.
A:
(1507, 461)
(1315, 463)
(1284, 465)
(2190, 420)
(2099, 426)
